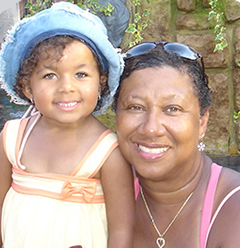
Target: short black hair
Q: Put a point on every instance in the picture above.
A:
(158, 57)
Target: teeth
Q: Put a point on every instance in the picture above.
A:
(152, 150)
(70, 104)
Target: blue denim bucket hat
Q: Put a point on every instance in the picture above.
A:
(63, 18)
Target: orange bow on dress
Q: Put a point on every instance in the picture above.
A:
(88, 191)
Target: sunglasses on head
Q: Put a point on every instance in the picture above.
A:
(182, 50)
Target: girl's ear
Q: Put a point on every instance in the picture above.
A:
(27, 92)
(103, 81)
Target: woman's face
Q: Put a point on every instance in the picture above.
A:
(158, 122)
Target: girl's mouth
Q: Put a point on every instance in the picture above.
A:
(67, 105)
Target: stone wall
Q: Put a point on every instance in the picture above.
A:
(186, 21)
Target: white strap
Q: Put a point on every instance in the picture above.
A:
(11, 138)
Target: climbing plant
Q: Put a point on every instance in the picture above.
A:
(236, 116)
(217, 14)
(135, 28)
(139, 23)
(94, 5)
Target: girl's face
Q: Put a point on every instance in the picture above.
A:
(66, 91)
(158, 122)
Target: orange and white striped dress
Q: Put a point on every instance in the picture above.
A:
(51, 210)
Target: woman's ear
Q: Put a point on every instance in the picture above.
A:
(203, 124)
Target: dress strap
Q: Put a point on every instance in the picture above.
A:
(13, 138)
(208, 203)
(97, 155)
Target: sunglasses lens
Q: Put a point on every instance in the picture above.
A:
(140, 49)
(182, 50)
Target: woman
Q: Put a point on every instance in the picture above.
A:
(183, 198)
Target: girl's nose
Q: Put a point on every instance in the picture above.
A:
(66, 85)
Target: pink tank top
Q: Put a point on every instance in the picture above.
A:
(206, 219)
(208, 203)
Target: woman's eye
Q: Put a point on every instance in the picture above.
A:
(80, 75)
(173, 109)
(50, 76)
(136, 108)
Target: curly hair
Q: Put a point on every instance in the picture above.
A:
(50, 49)
(158, 57)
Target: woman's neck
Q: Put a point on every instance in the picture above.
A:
(180, 187)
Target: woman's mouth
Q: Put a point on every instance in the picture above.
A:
(152, 150)
(151, 154)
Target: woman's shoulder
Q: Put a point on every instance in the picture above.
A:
(228, 186)
(226, 216)
(229, 178)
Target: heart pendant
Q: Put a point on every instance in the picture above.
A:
(160, 242)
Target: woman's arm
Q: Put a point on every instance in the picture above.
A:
(5, 178)
(117, 183)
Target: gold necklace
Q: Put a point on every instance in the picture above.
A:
(160, 241)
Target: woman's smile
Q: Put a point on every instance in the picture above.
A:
(148, 153)
(152, 150)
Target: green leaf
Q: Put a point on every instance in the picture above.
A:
(144, 25)
(136, 2)
(211, 14)
(138, 37)
(218, 37)
(145, 13)
(236, 115)
(132, 43)
(28, 5)
(137, 17)
(222, 29)
(131, 28)
(220, 47)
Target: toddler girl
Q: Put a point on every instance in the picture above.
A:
(63, 180)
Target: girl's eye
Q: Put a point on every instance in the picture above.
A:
(50, 76)
(80, 75)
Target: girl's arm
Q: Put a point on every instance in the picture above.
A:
(5, 178)
(117, 183)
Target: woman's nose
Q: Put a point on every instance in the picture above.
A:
(152, 124)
